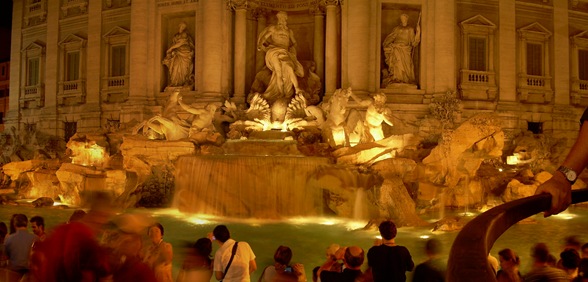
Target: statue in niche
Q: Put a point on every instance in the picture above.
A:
(399, 47)
(279, 45)
(179, 58)
(377, 112)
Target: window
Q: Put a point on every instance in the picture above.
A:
(118, 63)
(534, 80)
(70, 129)
(477, 79)
(72, 66)
(535, 127)
(3, 70)
(33, 71)
(534, 59)
(583, 64)
(477, 53)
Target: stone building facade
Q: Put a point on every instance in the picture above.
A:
(80, 65)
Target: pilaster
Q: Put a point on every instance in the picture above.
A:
(331, 48)
(561, 52)
(212, 51)
(507, 69)
(240, 55)
(92, 107)
(13, 115)
(445, 56)
(48, 115)
(319, 40)
(138, 55)
(357, 26)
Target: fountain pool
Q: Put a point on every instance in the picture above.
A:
(309, 237)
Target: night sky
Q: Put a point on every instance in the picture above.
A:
(5, 24)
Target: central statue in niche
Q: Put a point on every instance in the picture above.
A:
(279, 45)
(283, 76)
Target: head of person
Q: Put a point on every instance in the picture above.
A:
(570, 259)
(354, 257)
(315, 273)
(38, 225)
(221, 233)
(404, 19)
(583, 268)
(3, 231)
(156, 233)
(380, 98)
(433, 247)
(584, 251)
(388, 230)
(182, 26)
(508, 259)
(203, 247)
(283, 255)
(282, 17)
(540, 253)
(77, 215)
(572, 242)
(20, 220)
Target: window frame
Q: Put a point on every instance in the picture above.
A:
(32, 94)
(579, 86)
(115, 89)
(72, 91)
(535, 89)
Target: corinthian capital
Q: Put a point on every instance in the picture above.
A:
(259, 13)
(316, 9)
(332, 2)
(237, 4)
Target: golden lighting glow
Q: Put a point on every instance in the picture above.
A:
(339, 135)
(512, 160)
(424, 236)
(88, 155)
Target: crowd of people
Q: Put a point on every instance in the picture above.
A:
(100, 245)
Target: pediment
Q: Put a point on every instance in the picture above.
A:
(478, 20)
(72, 38)
(34, 46)
(581, 39)
(117, 31)
(535, 28)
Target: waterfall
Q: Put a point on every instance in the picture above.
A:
(248, 186)
(359, 206)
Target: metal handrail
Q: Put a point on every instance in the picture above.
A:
(468, 258)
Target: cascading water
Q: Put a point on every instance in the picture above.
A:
(248, 186)
(359, 207)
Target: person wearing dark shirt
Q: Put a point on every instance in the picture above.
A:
(353, 258)
(388, 261)
(434, 268)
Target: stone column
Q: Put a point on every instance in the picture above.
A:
(319, 40)
(91, 111)
(138, 54)
(445, 56)
(48, 115)
(261, 16)
(240, 49)
(212, 47)
(16, 75)
(507, 41)
(358, 45)
(561, 60)
(331, 50)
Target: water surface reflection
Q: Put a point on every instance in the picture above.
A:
(309, 237)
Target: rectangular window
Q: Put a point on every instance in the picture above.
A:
(33, 72)
(477, 53)
(72, 66)
(70, 129)
(583, 64)
(534, 59)
(118, 65)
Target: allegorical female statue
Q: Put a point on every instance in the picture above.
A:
(179, 58)
(399, 48)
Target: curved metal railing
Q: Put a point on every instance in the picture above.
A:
(468, 259)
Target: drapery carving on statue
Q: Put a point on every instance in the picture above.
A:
(179, 58)
(334, 129)
(282, 76)
(399, 48)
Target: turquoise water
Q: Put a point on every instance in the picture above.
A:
(309, 237)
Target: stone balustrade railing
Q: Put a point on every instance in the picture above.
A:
(478, 77)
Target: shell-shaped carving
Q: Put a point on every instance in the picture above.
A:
(296, 108)
(258, 109)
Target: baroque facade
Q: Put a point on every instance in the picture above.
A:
(80, 65)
